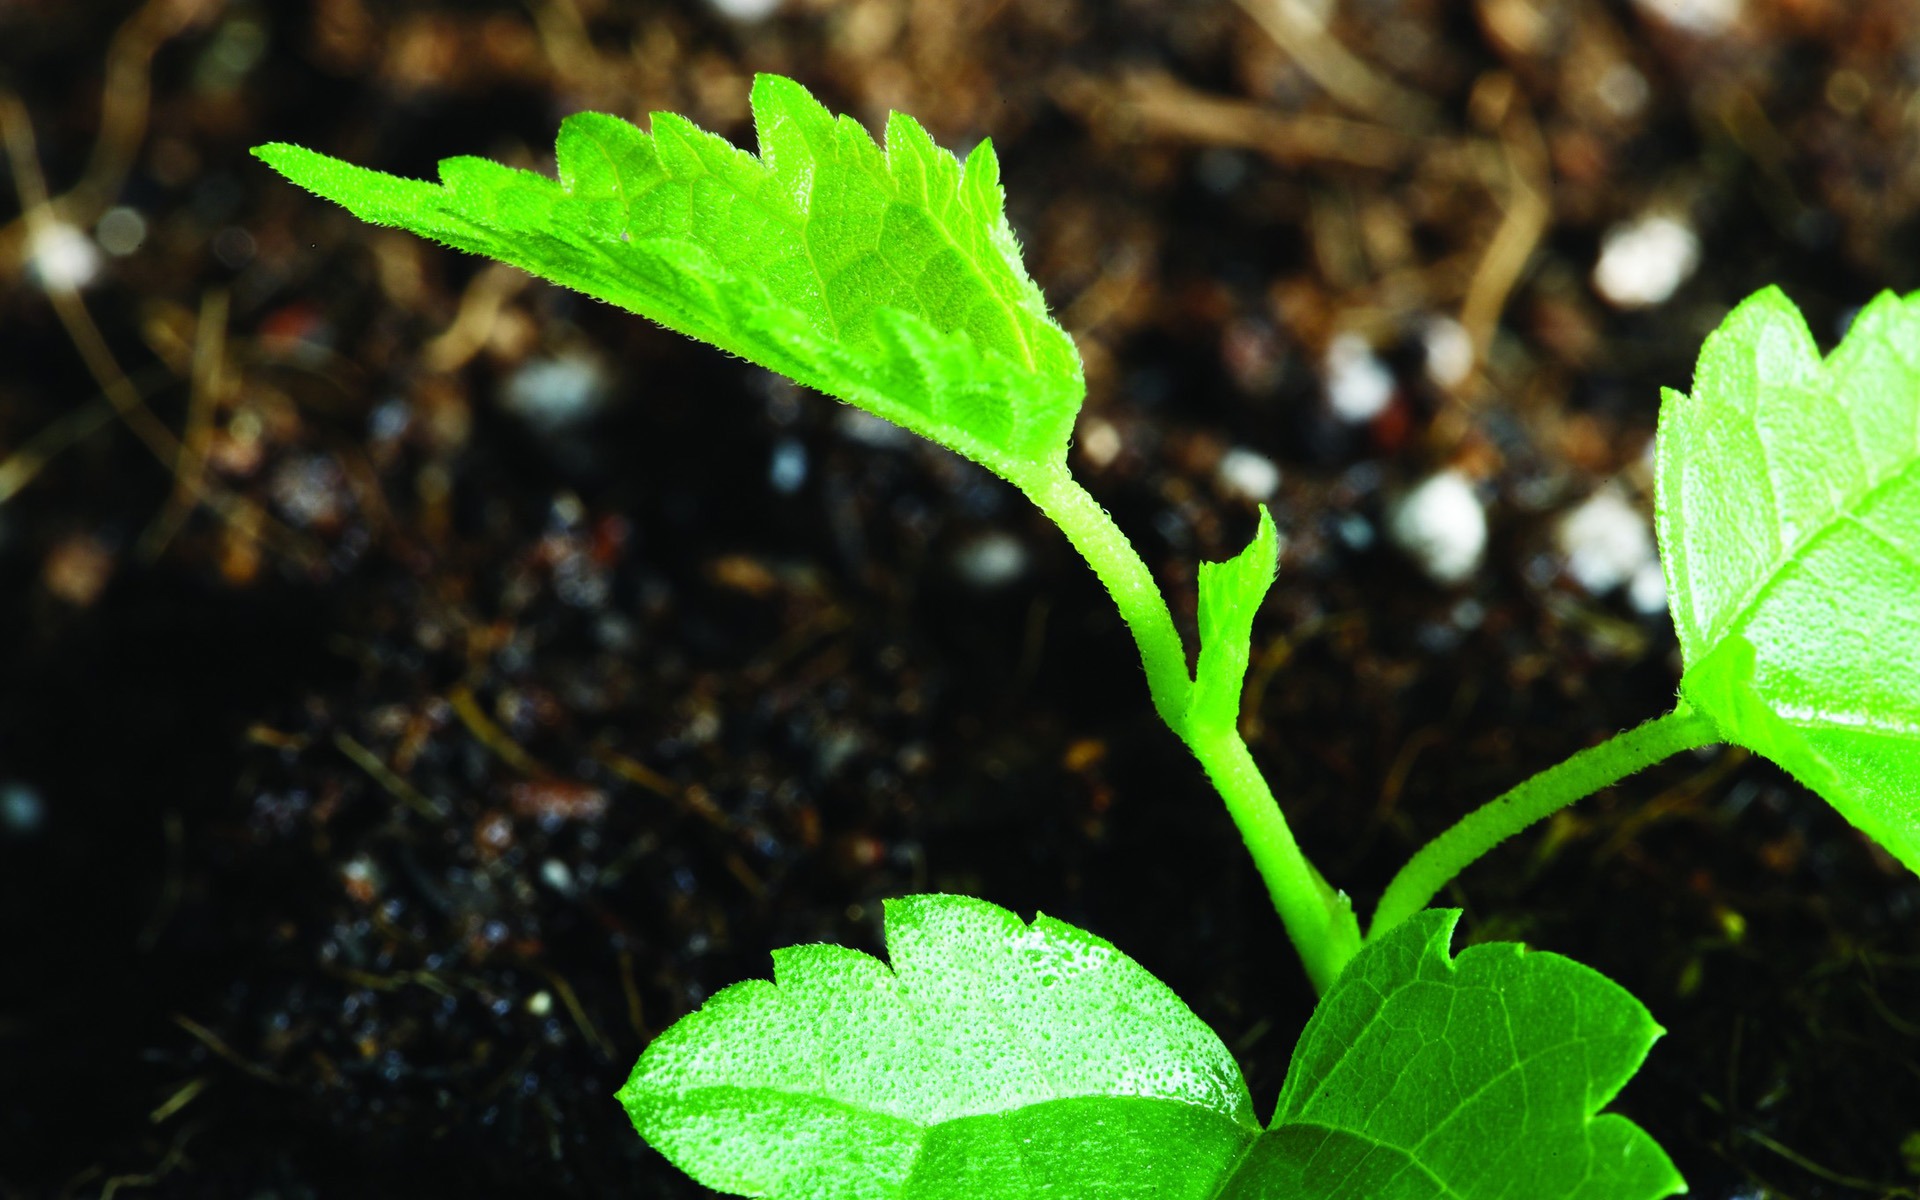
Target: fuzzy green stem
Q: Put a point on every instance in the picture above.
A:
(1318, 920)
(1440, 860)
(1113, 558)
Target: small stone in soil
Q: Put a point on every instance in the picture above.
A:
(991, 560)
(746, 10)
(1099, 442)
(1606, 542)
(1247, 474)
(557, 394)
(1695, 16)
(61, 258)
(1359, 385)
(788, 468)
(1642, 262)
(1441, 526)
(1448, 350)
(23, 810)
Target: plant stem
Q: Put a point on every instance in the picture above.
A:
(1113, 558)
(1319, 921)
(1437, 862)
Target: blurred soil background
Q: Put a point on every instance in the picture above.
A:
(419, 685)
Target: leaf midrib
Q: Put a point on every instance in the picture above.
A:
(1413, 1152)
(1405, 1153)
(696, 1091)
(1841, 514)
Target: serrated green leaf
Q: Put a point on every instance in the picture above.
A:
(1230, 595)
(889, 279)
(997, 1060)
(1789, 513)
(993, 1059)
(1473, 1078)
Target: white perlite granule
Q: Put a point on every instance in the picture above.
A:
(1441, 526)
(1643, 261)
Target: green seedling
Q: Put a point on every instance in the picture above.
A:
(1006, 1060)
(995, 1058)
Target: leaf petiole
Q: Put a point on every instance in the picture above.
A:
(1437, 862)
(1068, 505)
(1319, 920)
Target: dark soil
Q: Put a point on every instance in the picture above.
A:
(493, 676)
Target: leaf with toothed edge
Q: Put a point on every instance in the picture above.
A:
(1789, 514)
(993, 1059)
(1475, 1077)
(888, 278)
(1000, 1060)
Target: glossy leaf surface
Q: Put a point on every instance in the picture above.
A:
(1789, 511)
(889, 278)
(1481, 1077)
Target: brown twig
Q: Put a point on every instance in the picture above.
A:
(630, 987)
(18, 469)
(1883, 1189)
(1670, 803)
(16, 133)
(37, 212)
(1341, 73)
(182, 1096)
(389, 779)
(579, 1013)
(473, 322)
(125, 97)
(211, 1041)
(173, 1160)
(1528, 203)
(189, 465)
(1164, 107)
(466, 706)
(1274, 654)
(634, 771)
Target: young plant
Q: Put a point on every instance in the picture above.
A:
(1003, 1059)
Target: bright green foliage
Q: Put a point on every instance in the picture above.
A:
(1230, 595)
(1789, 504)
(998, 1060)
(887, 278)
(1422, 1078)
(995, 1060)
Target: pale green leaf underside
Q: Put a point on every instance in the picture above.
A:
(1230, 595)
(997, 1060)
(987, 1039)
(1789, 509)
(890, 279)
